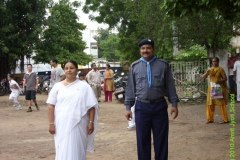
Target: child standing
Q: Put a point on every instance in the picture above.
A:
(15, 91)
(82, 77)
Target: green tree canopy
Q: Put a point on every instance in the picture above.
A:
(62, 37)
(141, 19)
(135, 20)
(227, 9)
(205, 29)
(195, 51)
(102, 35)
(208, 23)
(110, 47)
(20, 24)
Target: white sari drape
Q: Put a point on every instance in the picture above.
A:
(72, 103)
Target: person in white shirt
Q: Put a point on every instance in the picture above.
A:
(57, 73)
(236, 73)
(94, 80)
(15, 91)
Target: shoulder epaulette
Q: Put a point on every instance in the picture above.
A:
(163, 60)
(135, 62)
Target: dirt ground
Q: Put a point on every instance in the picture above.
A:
(24, 136)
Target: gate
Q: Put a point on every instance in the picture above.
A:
(188, 81)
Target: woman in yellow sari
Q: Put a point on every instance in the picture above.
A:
(108, 83)
(217, 75)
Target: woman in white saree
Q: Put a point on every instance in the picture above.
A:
(73, 115)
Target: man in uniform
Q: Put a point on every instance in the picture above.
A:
(94, 80)
(150, 80)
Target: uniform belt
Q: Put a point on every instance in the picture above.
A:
(150, 101)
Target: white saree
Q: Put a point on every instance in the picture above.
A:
(72, 103)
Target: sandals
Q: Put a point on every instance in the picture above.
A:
(223, 122)
(209, 122)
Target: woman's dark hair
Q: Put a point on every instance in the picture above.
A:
(71, 61)
(108, 65)
(216, 59)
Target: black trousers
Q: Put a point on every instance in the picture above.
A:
(152, 117)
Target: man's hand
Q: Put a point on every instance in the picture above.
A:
(128, 115)
(175, 111)
(218, 81)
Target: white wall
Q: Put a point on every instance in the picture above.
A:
(88, 38)
(36, 67)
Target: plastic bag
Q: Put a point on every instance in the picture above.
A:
(216, 91)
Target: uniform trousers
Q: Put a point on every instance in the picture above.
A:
(152, 117)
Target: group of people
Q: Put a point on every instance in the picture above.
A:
(150, 81)
(30, 86)
(218, 76)
(73, 104)
(94, 80)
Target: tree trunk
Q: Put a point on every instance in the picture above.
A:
(22, 64)
(4, 67)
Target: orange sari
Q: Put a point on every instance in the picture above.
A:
(216, 74)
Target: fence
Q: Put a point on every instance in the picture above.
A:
(187, 76)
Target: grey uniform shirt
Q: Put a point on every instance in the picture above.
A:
(162, 83)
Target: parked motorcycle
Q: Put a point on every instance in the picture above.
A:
(46, 84)
(4, 89)
(119, 88)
